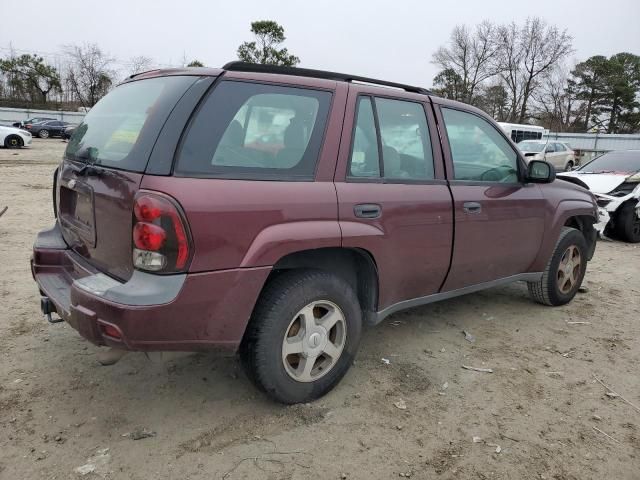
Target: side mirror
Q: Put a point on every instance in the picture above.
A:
(539, 171)
(548, 150)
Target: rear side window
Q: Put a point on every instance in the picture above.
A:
(255, 131)
(120, 130)
(365, 161)
(397, 129)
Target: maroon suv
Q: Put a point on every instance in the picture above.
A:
(277, 210)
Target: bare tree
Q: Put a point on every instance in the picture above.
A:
(526, 54)
(90, 74)
(140, 64)
(555, 102)
(471, 56)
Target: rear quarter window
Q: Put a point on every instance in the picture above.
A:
(120, 130)
(256, 131)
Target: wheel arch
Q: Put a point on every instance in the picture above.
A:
(568, 212)
(584, 223)
(354, 265)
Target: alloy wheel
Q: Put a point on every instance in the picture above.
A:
(314, 341)
(569, 269)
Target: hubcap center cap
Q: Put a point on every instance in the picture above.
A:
(315, 342)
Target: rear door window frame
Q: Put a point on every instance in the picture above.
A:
(434, 142)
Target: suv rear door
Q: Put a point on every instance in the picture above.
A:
(499, 220)
(393, 198)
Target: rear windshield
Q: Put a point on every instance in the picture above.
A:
(614, 162)
(255, 131)
(120, 130)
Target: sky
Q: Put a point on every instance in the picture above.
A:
(391, 40)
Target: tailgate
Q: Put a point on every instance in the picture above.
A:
(103, 166)
(94, 212)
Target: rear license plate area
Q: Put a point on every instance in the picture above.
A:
(77, 211)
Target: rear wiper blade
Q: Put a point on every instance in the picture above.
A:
(88, 169)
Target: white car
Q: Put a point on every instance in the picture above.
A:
(12, 137)
(558, 154)
(614, 179)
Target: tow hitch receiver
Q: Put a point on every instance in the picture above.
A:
(47, 307)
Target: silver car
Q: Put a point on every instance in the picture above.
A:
(558, 154)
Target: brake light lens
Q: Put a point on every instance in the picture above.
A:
(161, 237)
(111, 331)
(147, 236)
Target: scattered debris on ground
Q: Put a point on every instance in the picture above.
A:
(477, 369)
(468, 337)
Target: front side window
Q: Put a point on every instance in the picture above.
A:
(250, 130)
(479, 152)
(400, 134)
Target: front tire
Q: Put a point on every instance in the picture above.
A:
(565, 271)
(43, 134)
(303, 335)
(13, 141)
(628, 223)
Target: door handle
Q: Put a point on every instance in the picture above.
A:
(367, 210)
(471, 207)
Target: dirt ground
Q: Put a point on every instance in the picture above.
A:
(60, 410)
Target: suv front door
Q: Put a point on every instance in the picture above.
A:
(499, 221)
(393, 197)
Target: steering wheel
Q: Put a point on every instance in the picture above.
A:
(497, 174)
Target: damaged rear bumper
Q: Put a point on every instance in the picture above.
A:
(149, 312)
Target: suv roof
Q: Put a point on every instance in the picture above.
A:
(279, 70)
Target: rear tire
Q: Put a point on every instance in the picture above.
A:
(569, 166)
(43, 134)
(627, 223)
(13, 141)
(280, 320)
(565, 271)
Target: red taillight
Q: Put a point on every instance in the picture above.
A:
(147, 236)
(147, 208)
(160, 235)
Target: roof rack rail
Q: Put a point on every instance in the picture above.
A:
(307, 72)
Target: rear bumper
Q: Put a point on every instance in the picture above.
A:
(184, 312)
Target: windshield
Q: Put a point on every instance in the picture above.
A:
(120, 130)
(531, 147)
(614, 162)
